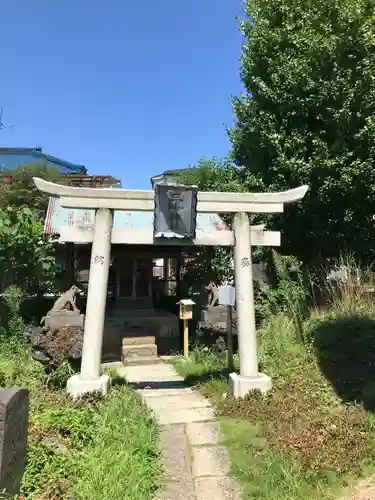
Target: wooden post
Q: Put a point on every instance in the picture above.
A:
(69, 265)
(186, 313)
(230, 338)
(134, 279)
(186, 338)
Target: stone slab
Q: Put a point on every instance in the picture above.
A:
(179, 402)
(177, 491)
(141, 361)
(157, 373)
(171, 416)
(241, 386)
(174, 449)
(216, 488)
(210, 461)
(203, 433)
(61, 319)
(14, 416)
(214, 314)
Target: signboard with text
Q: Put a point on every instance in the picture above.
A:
(175, 211)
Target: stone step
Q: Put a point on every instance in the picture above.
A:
(139, 350)
(142, 360)
(131, 339)
(141, 354)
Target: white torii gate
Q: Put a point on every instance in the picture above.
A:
(105, 200)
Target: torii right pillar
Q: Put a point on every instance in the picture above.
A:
(249, 378)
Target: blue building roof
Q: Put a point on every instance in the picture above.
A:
(12, 158)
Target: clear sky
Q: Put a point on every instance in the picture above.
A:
(127, 88)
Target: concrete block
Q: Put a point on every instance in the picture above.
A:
(241, 386)
(61, 319)
(214, 314)
(78, 385)
(140, 355)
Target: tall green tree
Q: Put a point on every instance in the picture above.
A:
(213, 174)
(307, 116)
(27, 254)
(21, 191)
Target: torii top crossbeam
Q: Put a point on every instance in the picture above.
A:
(125, 199)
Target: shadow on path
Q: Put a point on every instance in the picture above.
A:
(206, 376)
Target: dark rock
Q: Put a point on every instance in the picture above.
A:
(40, 356)
(57, 345)
(219, 328)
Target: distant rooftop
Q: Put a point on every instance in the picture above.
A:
(12, 158)
(167, 177)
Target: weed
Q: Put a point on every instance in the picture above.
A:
(96, 447)
(299, 441)
(125, 442)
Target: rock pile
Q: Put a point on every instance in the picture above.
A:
(53, 346)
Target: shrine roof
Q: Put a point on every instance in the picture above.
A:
(58, 217)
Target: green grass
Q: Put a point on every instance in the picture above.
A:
(94, 448)
(123, 462)
(311, 435)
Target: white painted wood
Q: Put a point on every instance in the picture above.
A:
(247, 342)
(97, 295)
(144, 237)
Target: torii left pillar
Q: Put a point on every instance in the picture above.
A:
(90, 379)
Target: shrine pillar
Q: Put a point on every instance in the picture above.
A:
(90, 380)
(249, 378)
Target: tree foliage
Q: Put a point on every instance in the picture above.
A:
(27, 254)
(21, 191)
(214, 174)
(308, 117)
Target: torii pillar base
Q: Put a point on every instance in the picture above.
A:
(79, 385)
(241, 386)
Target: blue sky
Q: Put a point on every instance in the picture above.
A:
(126, 88)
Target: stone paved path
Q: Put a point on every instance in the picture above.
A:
(195, 465)
(364, 490)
